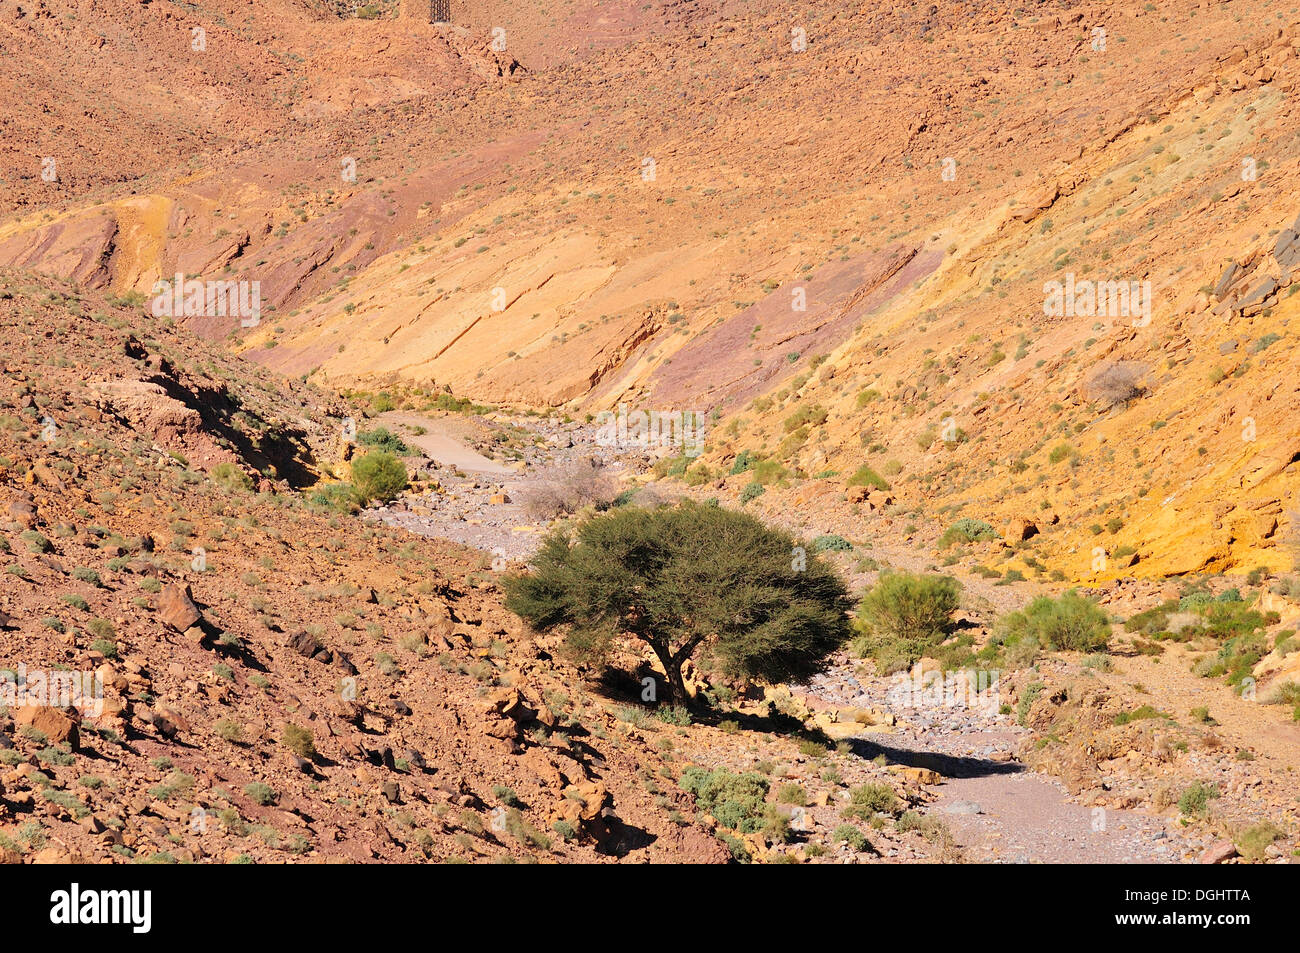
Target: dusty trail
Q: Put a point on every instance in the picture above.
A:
(997, 810)
(443, 448)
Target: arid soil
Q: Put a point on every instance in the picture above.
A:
(834, 231)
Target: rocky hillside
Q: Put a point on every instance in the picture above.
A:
(1000, 292)
(636, 204)
(278, 679)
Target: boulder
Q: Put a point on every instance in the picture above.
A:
(1021, 529)
(176, 607)
(1230, 273)
(58, 725)
(1218, 852)
(21, 511)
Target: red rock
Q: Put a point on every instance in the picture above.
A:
(1218, 852)
(177, 608)
(56, 724)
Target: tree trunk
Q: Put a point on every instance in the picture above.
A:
(675, 684)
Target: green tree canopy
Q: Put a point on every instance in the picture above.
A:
(685, 576)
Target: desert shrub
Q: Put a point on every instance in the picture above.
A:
(903, 615)
(848, 834)
(1070, 623)
(735, 800)
(230, 478)
(674, 466)
(567, 488)
(751, 491)
(1253, 841)
(698, 475)
(1236, 659)
(867, 396)
(1115, 382)
(178, 782)
(260, 793)
(1285, 693)
(792, 794)
(1141, 713)
(88, 575)
(1026, 701)
(967, 530)
(299, 741)
(1224, 620)
(381, 438)
(229, 730)
(673, 715)
(1152, 622)
(767, 472)
(506, 795)
(868, 800)
(335, 497)
(104, 647)
(744, 462)
(1195, 800)
(36, 543)
(830, 542)
(865, 476)
(566, 830)
(812, 416)
(378, 476)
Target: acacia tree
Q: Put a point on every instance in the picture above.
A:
(683, 577)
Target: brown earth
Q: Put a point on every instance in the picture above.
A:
(803, 262)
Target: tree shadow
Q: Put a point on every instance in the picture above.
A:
(950, 766)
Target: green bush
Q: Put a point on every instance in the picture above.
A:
(299, 741)
(813, 416)
(868, 800)
(1195, 801)
(967, 530)
(260, 793)
(1060, 452)
(381, 438)
(734, 800)
(378, 476)
(1253, 841)
(903, 615)
(744, 462)
(1070, 623)
(865, 476)
(335, 497)
(36, 543)
(751, 491)
(767, 472)
(831, 543)
(848, 834)
(230, 478)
